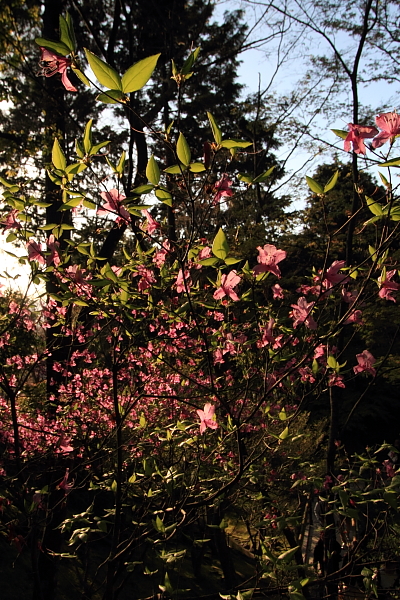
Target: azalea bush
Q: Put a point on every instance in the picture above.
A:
(176, 380)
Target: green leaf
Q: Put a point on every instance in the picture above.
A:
(340, 133)
(71, 32)
(80, 75)
(143, 189)
(175, 169)
(235, 144)
(288, 555)
(189, 62)
(220, 247)
(138, 74)
(95, 149)
(111, 97)
(263, 176)
(232, 261)
(374, 206)
(314, 186)
(105, 74)
(164, 196)
(57, 47)
(332, 182)
(65, 36)
(332, 362)
(215, 129)
(394, 162)
(384, 180)
(153, 171)
(58, 157)
(245, 177)
(88, 204)
(87, 137)
(197, 167)
(121, 163)
(183, 150)
(284, 434)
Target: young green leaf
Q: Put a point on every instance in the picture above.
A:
(111, 97)
(340, 133)
(58, 157)
(153, 171)
(189, 62)
(264, 176)
(121, 163)
(374, 206)
(65, 35)
(197, 167)
(105, 74)
(215, 129)
(220, 247)
(57, 47)
(332, 182)
(394, 162)
(288, 555)
(235, 144)
(87, 137)
(81, 75)
(314, 186)
(183, 150)
(138, 74)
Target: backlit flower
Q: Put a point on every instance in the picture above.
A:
(357, 134)
(52, 63)
(268, 258)
(207, 417)
(389, 123)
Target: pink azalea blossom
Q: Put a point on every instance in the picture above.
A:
(357, 134)
(268, 258)
(365, 363)
(332, 275)
(35, 252)
(277, 292)
(181, 280)
(207, 417)
(389, 123)
(152, 224)
(204, 253)
(114, 205)
(336, 380)
(64, 485)
(53, 246)
(388, 286)
(354, 317)
(301, 313)
(223, 189)
(228, 282)
(53, 63)
(11, 221)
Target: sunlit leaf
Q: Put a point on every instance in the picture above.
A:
(138, 74)
(105, 74)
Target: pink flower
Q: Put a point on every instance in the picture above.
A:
(365, 363)
(388, 286)
(223, 189)
(181, 280)
(389, 123)
(11, 221)
(332, 275)
(114, 204)
(204, 253)
(277, 292)
(53, 246)
(35, 252)
(269, 257)
(301, 313)
(207, 417)
(56, 64)
(357, 134)
(354, 317)
(64, 485)
(336, 380)
(228, 282)
(152, 224)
